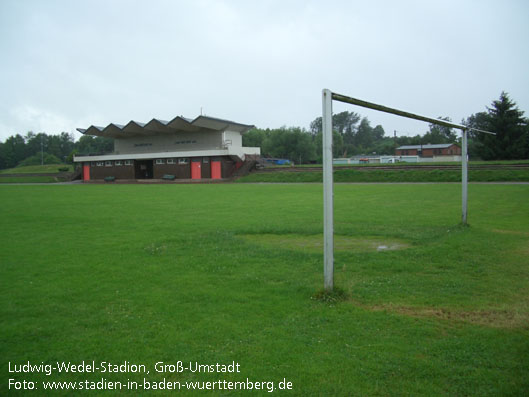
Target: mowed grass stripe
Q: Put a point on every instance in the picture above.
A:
(165, 273)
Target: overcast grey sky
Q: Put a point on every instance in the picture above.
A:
(68, 64)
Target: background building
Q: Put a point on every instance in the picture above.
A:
(437, 150)
(203, 148)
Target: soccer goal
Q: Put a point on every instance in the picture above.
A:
(328, 201)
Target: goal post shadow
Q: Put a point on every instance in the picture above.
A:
(328, 185)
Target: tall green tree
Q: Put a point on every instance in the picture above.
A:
(13, 151)
(255, 137)
(385, 146)
(440, 134)
(33, 142)
(364, 135)
(3, 156)
(511, 141)
(345, 127)
(345, 123)
(337, 145)
(293, 143)
(378, 133)
(475, 146)
(59, 146)
(88, 144)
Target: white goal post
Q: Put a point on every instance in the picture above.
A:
(328, 199)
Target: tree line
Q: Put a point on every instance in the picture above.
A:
(33, 149)
(352, 135)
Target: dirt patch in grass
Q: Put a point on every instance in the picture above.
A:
(513, 232)
(489, 318)
(314, 242)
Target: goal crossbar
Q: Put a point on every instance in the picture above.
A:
(382, 108)
(328, 195)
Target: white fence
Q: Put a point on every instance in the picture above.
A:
(394, 159)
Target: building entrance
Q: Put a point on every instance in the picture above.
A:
(143, 169)
(196, 168)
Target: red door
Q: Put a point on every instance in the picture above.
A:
(215, 170)
(196, 172)
(86, 172)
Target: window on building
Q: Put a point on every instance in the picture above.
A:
(108, 163)
(128, 162)
(118, 162)
(160, 161)
(170, 161)
(205, 160)
(183, 160)
(93, 163)
(100, 163)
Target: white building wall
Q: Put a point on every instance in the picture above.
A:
(183, 141)
(233, 138)
(182, 144)
(238, 152)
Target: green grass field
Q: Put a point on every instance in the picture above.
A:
(32, 170)
(37, 169)
(222, 273)
(28, 179)
(412, 175)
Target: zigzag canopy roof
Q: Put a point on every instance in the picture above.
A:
(157, 126)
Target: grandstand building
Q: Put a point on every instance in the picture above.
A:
(200, 148)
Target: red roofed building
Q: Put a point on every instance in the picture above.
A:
(437, 150)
